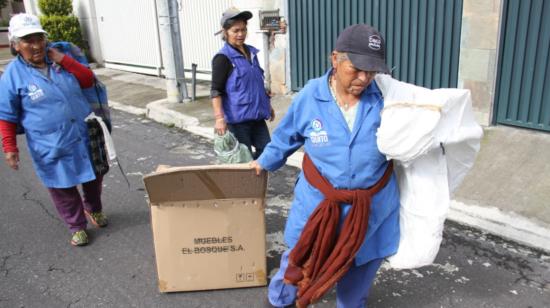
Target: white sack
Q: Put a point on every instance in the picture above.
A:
(404, 139)
(433, 138)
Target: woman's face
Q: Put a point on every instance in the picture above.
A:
(236, 34)
(33, 48)
(353, 80)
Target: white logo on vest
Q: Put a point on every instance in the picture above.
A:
(318, 136)
(35, 93)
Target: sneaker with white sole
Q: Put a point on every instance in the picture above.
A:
(79, 238)
(97, 219)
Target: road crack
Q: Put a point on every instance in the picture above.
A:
(52, 268)
(4, 261)
(79, 299)
(39, 203)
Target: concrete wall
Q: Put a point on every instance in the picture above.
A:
(273, 45)
(478, 54)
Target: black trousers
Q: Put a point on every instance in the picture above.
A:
(252, 134)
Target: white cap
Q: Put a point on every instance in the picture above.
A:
(24, 24)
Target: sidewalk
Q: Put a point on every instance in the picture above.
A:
(507, 193)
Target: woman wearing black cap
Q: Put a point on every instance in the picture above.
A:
(344, 219)
(239, 98)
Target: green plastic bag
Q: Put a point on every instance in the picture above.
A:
(229, 150)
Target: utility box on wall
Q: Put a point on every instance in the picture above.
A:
(269, 20)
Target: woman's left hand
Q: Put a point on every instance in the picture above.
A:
(12, 159)
(55, 55)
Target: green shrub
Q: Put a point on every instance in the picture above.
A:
(60, 23)
(63, 28)
(56, 7)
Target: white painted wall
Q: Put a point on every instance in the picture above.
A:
(131, 38)
(31, 6)
(85, 10)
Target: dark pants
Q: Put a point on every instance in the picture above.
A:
(251, 133)
(351, 291)
(70, 205)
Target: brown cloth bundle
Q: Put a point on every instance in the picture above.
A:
(321, 257)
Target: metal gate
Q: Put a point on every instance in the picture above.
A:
(523, 83)
(128, 30)
(423, 36)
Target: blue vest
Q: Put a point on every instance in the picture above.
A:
(245, 98)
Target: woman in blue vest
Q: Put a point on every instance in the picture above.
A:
(239, 97)
(41, 92)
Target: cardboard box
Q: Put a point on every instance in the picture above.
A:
(208, 227)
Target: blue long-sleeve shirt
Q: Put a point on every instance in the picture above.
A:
(348, 159)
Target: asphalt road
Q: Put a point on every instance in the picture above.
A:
(38, 267)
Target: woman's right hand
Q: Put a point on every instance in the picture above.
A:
(12, 159)
(220, 127)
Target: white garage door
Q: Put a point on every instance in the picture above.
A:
(128, 30)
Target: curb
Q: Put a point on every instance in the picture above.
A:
(158, 112)
(490, 219)
(127, 109)
(507, 225)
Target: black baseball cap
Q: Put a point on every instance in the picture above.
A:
(233, 13)
(365, 48)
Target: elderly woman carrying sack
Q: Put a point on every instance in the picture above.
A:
(344, 219)
(239, 98)
(40, 90)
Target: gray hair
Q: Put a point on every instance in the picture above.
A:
(15, 39)
(341, 56)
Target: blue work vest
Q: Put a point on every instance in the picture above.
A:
(245, 98)
(52, 113)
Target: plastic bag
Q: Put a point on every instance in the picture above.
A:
(229, 150)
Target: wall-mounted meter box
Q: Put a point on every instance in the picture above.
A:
(269, 20)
